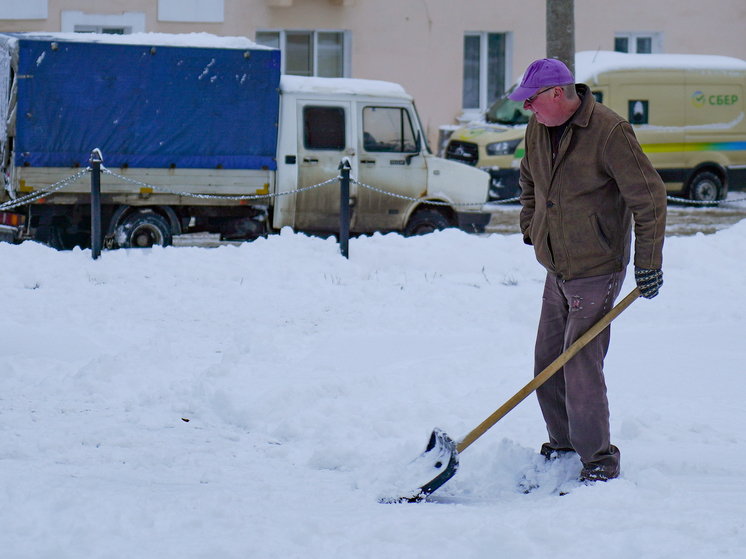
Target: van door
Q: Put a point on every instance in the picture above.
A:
(714, 119)
(653, 102)
(326, 137)
(390, 160)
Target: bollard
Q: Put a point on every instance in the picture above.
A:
(344, 208)
(96, 160)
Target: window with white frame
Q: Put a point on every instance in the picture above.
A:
(323, 54)
(105, 29)
(638, 42)
(486, 71)
(114, 24)
(24, 9)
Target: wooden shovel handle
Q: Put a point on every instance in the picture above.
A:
(542, 377)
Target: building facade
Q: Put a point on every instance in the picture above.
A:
(454, 56)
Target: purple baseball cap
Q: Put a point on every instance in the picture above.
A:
(546, 72)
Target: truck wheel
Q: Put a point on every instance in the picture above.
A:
(143, 229)
(705, 187)
(426, 221)
(51, 235)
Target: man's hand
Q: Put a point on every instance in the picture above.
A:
(649, 281)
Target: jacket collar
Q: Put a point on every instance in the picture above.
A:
(582, 116)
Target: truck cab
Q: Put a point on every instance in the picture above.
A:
(399, 185)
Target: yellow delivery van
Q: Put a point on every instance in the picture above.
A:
(688, 112)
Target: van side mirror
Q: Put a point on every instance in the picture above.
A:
(418, 148)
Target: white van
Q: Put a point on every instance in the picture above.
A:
(687, 112)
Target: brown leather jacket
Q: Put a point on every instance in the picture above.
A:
(578, 212)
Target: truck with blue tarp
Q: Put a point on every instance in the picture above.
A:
(200, 133)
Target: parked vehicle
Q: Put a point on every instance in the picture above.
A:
(201, 133)
(687, 112)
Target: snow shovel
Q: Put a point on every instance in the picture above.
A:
(441, 454)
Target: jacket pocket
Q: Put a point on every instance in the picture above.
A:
(601, 235)
(545, 254)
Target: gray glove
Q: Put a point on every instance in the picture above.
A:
(649, 281)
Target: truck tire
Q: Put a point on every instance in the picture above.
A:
(53, 232)
(143, 229)
(706, 187)
(426, 221)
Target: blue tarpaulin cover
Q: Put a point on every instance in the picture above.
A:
(143, 106)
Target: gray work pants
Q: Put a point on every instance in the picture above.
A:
(573, 401)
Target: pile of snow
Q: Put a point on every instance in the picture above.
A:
(257, 401)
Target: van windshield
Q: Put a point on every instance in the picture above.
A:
(505, 111)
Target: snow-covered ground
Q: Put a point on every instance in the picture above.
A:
(258, 400)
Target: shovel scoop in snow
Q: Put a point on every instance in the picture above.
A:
(438, 463)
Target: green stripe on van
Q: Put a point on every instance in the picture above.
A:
(676, 147)
(694, 146)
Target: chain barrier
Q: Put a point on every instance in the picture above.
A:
(262, 196)
(505, 200)
(34, 196)
(218, 196)
(517, 198)
(703, 203)
(432, 202)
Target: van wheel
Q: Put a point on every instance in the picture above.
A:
(705, 187)
(143, 229)
(426, 221)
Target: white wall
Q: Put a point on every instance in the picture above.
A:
(23, 9)
(207, 11)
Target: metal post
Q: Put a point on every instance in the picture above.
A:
(344, 208)
(560, 20)
(96, 160)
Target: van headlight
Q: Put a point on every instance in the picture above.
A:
(503, 148)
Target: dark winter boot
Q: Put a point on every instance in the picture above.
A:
(597, 473)
(550, 453)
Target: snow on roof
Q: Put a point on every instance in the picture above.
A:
(298, 84)
(203, 40)
(589, 64)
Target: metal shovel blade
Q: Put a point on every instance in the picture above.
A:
(438, 463)
(440, 459)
